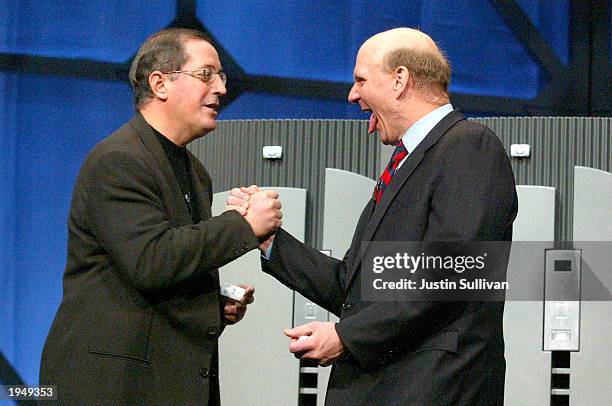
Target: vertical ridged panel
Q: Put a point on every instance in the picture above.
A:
(233, 156)
(557, 145)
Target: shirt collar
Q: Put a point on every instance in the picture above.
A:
(419, 130)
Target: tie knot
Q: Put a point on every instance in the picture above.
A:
(400, 152)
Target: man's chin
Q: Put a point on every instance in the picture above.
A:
(205, 130)
(209, 126)
(382, 136)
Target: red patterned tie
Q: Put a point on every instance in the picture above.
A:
(384, 180)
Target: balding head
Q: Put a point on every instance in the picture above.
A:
(416, 51)
(400, 76)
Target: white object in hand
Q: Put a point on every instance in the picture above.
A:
(232, 291)
(303, 338)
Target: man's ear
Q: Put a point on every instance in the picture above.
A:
(157, 83)
(401, 80)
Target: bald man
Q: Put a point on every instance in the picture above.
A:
(450, 180)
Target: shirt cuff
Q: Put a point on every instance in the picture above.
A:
(268, 253)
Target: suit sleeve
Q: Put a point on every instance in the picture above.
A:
(127, 217)
(317, 276)
(472, 198)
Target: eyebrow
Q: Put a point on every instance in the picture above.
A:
(206, 67)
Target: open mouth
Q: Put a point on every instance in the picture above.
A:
(214, 106)
(373, 117)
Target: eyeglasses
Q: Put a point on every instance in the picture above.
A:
(204, 74)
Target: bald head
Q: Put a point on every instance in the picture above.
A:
(402, 37)
(417, 52)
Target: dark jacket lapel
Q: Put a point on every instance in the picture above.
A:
(402, 175)
(152, 144)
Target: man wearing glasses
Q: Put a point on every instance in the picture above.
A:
(141, 312)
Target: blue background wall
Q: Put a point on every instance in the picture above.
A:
(49, 122)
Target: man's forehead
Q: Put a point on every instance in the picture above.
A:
(367, 57)
(201, 54)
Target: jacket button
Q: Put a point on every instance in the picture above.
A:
(346, 306)
(204, 372)
(212, 331)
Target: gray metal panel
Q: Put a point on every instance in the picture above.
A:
(557, 145)
(591, 368)
(535, 220)
(346, 194)
(256, 367)
(233, 156)
(592, 211)
(527, 366)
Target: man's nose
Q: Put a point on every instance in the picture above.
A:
(221, 90)
(353, 96)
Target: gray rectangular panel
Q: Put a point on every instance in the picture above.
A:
(562, 296)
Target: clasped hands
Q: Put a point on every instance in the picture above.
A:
(262, 210)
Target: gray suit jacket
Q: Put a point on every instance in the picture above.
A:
(140, 316)
(456, 185)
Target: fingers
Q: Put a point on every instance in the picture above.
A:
(264, 213)
(234, 311)
(240, 193)
(248, 297)
(303, 330)
(303, 348)
(249, 190)
(238, 201)
(239, 209)
(271, 193)
(317, 341)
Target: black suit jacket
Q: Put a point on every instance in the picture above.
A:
(456, 185)
(140, 315)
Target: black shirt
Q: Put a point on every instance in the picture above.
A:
(179, 160)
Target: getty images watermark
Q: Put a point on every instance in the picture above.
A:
(485, 271)
(410, 264)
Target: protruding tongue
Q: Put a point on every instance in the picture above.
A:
(373, 122)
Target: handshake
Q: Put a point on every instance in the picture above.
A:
(261, 209)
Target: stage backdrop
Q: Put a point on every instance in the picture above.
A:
(50, 120)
